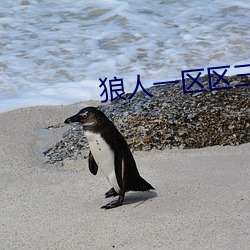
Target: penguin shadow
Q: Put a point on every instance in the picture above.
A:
(138, 198)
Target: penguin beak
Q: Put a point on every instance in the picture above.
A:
(74, 118)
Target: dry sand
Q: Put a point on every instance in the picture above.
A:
(201, 201)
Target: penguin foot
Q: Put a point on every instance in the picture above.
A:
(111, 193)
(113, 204)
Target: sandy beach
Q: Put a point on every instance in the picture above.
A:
(201, 198)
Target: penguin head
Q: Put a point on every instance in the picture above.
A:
(88, 117)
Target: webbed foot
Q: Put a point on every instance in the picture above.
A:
(111, 193)
(113, 204)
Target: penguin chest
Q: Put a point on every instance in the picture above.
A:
(104, 157)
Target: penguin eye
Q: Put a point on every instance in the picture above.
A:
(84, 115)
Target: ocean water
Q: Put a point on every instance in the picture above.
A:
(54, 52)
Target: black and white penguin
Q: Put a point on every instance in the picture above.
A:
(110, 152)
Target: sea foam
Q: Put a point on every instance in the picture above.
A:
(54, 53)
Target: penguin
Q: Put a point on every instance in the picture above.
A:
(110, 152)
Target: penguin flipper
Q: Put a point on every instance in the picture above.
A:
(93, 167)
(118, 166)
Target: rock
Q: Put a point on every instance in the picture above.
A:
(171, 119)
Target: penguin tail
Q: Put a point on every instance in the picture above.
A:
(141, 185)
